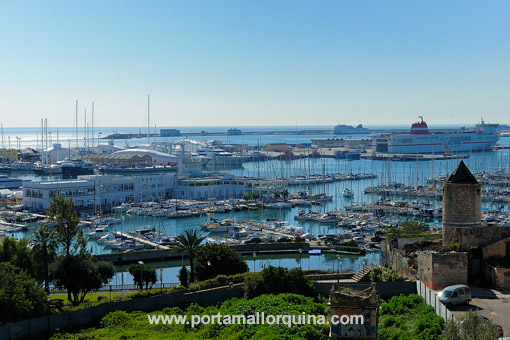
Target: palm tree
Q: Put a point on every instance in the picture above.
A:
(188, 243)
(44, 248)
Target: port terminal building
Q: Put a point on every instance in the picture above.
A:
(100, 191)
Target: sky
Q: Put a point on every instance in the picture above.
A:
(262, 63)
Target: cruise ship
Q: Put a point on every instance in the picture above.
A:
(349, 130)
(420, 140)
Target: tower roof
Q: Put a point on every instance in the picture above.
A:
(462, 175)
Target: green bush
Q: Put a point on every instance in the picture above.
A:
(409, 317)
(115, 319)
(384, 274)
(276, 280)
(222, 279)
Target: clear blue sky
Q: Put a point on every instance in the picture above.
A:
(239, 63)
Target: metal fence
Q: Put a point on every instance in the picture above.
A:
(433, 300)
(118, 287)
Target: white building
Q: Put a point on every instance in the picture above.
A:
(211, 187)
(99, 191)
(158, 158)
(57, 153)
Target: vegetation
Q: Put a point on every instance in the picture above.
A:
(409, 317)
(80, 275)
(143, 275)
(276, 280)
(384, 274)
(44, 249)
(471, 327)
(189, 242)
(20, 297)
(17, 253)
(122, 325)
(183, 276)
(248, 195)
(216, 259)
(408, 229)
(69, 234)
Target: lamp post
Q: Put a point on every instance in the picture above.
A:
(161, 278)
(254, 258)
(141, 273)
(110, 283)
(338, 268)
(300, 251)
(340, 265)
(209, 269)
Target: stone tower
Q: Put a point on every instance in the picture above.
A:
(462, 203)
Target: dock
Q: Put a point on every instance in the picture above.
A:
(141, 240)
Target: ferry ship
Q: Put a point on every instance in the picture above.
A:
(420, 140)
(349, 130)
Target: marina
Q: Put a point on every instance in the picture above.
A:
(309, 197)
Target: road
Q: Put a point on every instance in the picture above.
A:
(492, 304)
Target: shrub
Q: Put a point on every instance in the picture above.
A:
(183, 276)
(409, 317)
(276, 280)
(384, 274)
(115, 319)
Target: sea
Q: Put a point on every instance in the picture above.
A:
(410, 173)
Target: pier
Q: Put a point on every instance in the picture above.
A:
(141, 240)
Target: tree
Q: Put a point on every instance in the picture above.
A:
(285, 194)
(183, 276)
(189, 243)
(408, 229)
(17, 253)
(471, 327)
(276, 280)
(44, 251)
(142, 275)
(63, 212)
(216, 259)
(247, 196)
(20, 297)
(80, 275)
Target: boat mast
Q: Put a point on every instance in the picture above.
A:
(85, 130)
(92, 132)
(76, 122)
(148, 118)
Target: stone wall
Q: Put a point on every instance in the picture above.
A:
(462, 203)
(396, 259)
(357, 303)
(497, 278)
(440, 270)
(474, 237)
(496, 249)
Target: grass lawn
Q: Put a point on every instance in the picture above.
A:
(90, 297)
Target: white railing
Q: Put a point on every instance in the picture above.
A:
(118, 287)
(433, 300)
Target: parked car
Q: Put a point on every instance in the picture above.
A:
(455, 295)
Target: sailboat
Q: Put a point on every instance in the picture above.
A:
(348, 193)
